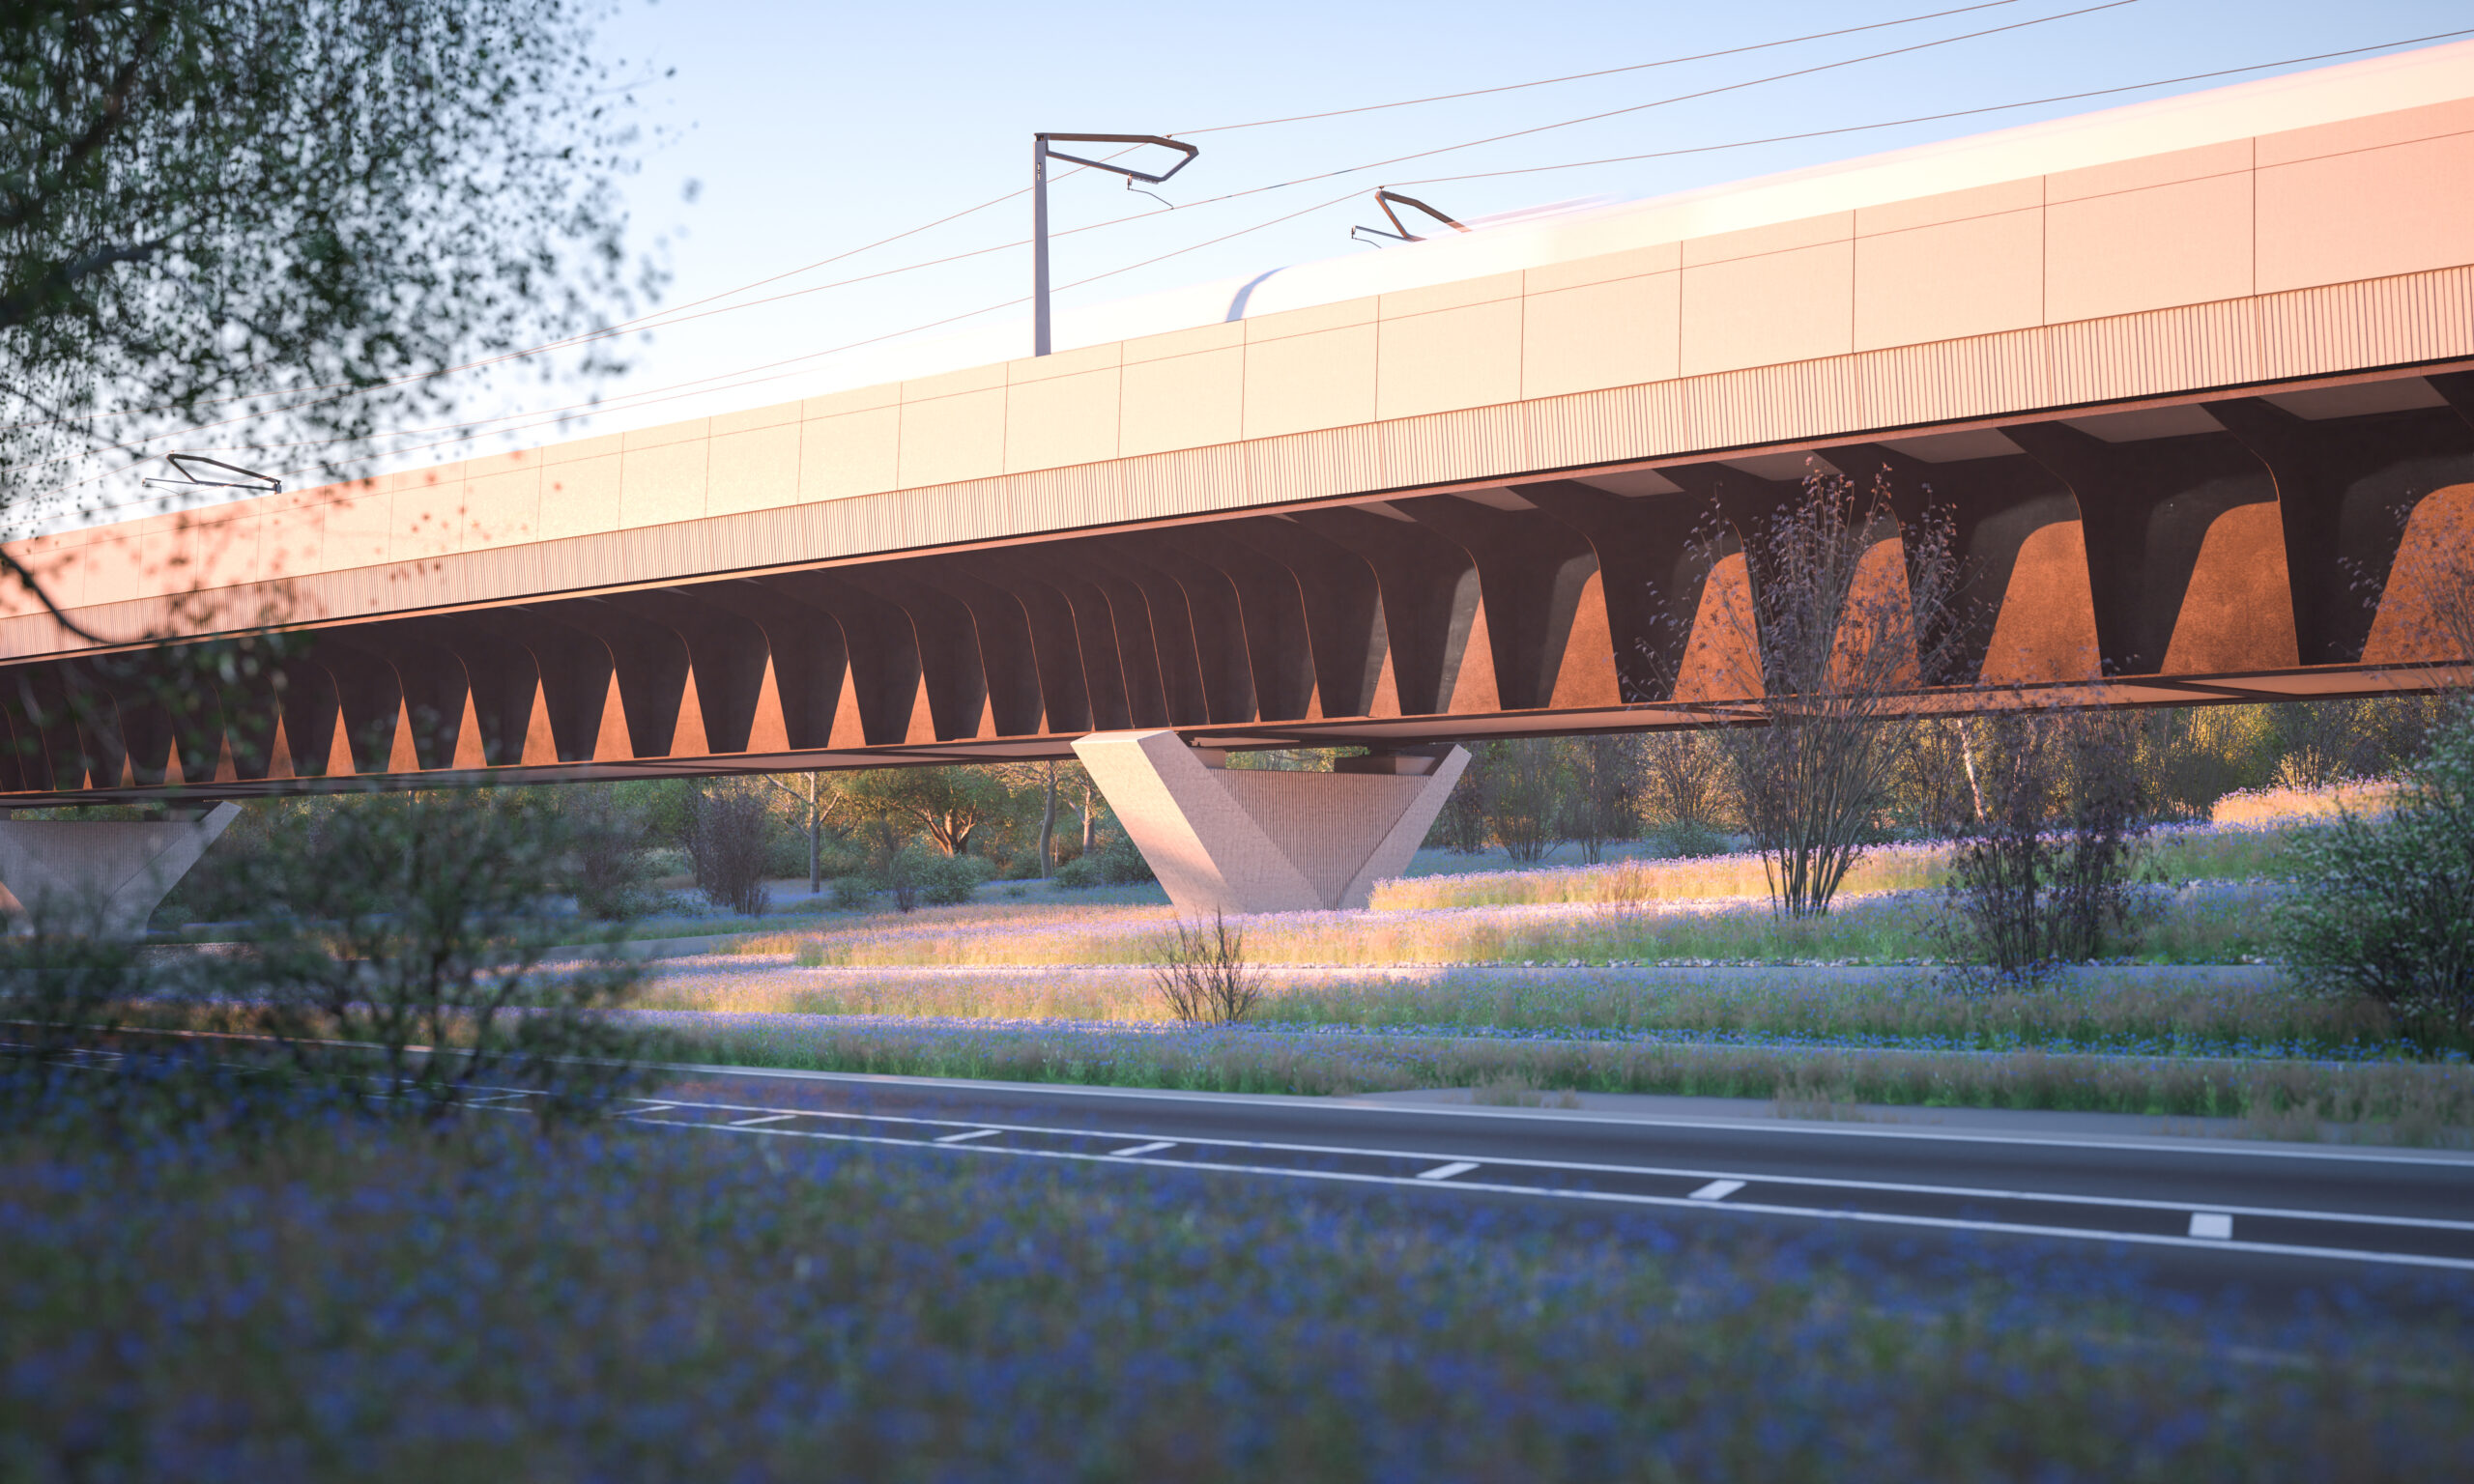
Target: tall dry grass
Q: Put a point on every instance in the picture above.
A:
(1708, 878)
(2252, 808)
(2248, 1012)
(2205, 925)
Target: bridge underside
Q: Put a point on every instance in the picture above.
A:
(2215, 548)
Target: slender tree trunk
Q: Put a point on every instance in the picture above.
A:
(1087, 811)
(1966, 754)
(816, 860)
(1047, 827)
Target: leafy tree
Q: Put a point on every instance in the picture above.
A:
(946, 804)
(286, 213)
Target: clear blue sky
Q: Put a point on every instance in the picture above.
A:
(806, 130)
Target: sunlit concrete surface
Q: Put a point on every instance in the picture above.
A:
(104, 876)
(1233, 841)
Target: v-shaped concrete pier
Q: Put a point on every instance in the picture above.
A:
(1237, 839)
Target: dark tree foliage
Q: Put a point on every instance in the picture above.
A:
(728, 848)
(275, 220)
(2383, 906)
(402, 923)
(1606, 786)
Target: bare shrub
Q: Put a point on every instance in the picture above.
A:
(1204, 976)
(1525, 799)
(1849, 613)
(1460, 827)
(2041, 874)
(1602, 802)
(727, 845)
(1683, 779)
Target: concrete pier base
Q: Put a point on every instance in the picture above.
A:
(1235, 841)
(98, 875)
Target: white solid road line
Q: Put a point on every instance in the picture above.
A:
(1447, 1171)
(1151, 1148)
(1717, 1190)
(2212, 1225)
(770, 1118)
(964, 1138)
(2146, 1144)
(1675, 1202)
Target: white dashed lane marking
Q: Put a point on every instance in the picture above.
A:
(975, 1134)
(1447, 1171)
(770, 1118)
(2212, 1225)
(1151, 1148)
(1717, 1190)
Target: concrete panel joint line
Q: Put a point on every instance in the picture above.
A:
(101, 876)
(1239, 841)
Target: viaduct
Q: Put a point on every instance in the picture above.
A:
(2195, 379)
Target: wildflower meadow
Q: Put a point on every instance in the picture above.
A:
(324, 1294)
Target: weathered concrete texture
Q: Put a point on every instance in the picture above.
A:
(1242, 840)
(93, 875)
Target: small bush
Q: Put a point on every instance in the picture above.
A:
(1686, 840)
(614, 871)
(2382, 905)
(729, 849)
(947, 881)
(1121, 863)
(852, 893)
(2042, 870)
(902, 869)
(1203, 975)
(1078, 873)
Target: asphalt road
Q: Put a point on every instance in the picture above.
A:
(2260, 1221)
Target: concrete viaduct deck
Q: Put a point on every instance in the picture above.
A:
(2195, 378)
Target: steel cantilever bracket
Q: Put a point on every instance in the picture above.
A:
(1041, 155)
(191, 479)
(1384, 196)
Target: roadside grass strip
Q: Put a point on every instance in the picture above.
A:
(2409, 1102)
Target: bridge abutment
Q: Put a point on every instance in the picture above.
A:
(1236, 840)
(98, 875)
